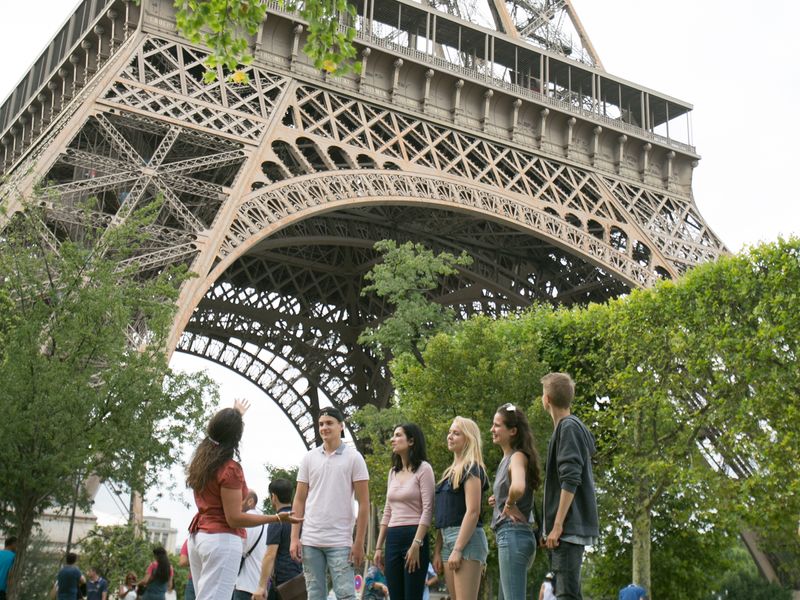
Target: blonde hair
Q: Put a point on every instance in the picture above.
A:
(471, 455)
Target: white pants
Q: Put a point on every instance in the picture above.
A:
(214, 560)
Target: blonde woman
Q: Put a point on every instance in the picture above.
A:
(461, 547)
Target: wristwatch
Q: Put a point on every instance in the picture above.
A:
(418, 542)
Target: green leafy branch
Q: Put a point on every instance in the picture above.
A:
(224, 27)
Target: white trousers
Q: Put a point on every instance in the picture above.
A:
(214, 560)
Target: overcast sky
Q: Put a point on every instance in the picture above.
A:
(734, 61)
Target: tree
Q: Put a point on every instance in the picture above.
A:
(695, 372)
(116, 550)
(275, 472)
(405, 278)
(742, 582)
(691, 389)
(690, 552)
(36, 580)
(224, 26)
(86, 387)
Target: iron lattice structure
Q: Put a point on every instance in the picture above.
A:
(555, 176)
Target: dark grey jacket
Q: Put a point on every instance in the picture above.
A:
(569, 467)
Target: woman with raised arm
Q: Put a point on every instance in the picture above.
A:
(461, 546)
(407, 516)
(217, 530)
(518, 475)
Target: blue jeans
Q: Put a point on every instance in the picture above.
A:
(565, 563)
(317, 560)
(402, 584)
(516, 549)
(188, 592)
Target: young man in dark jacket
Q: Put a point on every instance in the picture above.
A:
(570, 506)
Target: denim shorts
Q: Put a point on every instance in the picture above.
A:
(477, 547)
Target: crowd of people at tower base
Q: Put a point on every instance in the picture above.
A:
(72, 584)
(236, 552)
(316, 538)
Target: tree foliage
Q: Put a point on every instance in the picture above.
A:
(86, 387)
(699, 371)
(691, 389)
(225, 27)
(404, 279)
(275, 472)
(115, 550)
(36, 580)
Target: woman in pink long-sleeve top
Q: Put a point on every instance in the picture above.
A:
(407, 516)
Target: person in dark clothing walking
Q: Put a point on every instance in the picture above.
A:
(69, 579)
(570, 507)
(277, 565)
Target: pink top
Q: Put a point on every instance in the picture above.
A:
(410, 502)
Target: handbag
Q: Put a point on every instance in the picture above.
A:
(294, 589)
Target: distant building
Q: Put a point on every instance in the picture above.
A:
(160, 532)
(54, 525)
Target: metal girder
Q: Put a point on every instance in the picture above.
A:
(282, 186)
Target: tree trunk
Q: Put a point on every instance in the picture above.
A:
(24, 528)
(641, 548)
(641, 518)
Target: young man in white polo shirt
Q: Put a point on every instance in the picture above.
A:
(328, 478)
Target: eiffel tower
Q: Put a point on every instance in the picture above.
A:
(565, 183)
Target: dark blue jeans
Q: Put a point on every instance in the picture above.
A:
(402, 584)
(565, 563)
(188, 593)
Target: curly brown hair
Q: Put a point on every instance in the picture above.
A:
(220, 445)
(523, 441)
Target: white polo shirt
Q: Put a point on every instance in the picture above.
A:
(329, 516)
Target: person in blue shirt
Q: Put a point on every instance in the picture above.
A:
(7, 556)
(375, 587)
(68, 579)
(431, 579)
(96, 586)
(633, 592)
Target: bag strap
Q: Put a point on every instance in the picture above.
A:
(249, 552)
(258, 539)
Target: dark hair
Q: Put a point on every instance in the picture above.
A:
(161, 572)
(11, 540)
(560, 389)
(417, 453)
(282, 488)
(220, 445)
(72, 558)
(513, 417)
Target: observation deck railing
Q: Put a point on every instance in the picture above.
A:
(366, 36)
